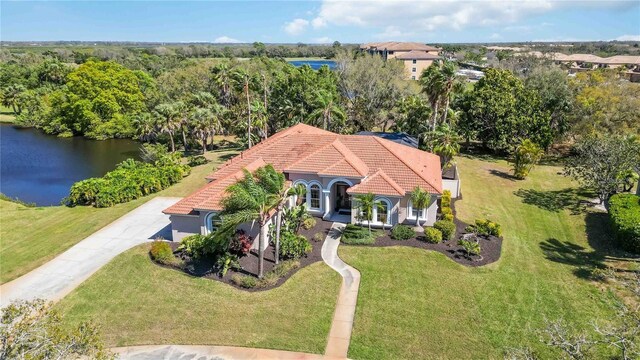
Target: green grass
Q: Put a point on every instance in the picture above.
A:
(137, 302)
(419, 304)
(33, 235)
(359, 235)
(6, 115)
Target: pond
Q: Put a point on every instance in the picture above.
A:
(315, 64)
(39, 168)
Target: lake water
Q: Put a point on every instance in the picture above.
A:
(315, 64)
(40, 168)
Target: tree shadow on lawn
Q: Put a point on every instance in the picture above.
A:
(574, 199)
(585, 260)
(502, 174)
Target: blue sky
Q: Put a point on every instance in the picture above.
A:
(321, 21)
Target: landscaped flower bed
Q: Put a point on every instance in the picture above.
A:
(490, 245)
(245, 275)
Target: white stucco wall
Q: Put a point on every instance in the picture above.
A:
(184, 225)
(453, 186)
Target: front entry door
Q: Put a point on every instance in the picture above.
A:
(343, 200)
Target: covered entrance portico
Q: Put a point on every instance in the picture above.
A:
(338, 201)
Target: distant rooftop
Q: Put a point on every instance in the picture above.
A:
(400, 138)
(398, 46)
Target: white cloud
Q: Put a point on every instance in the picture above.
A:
(297, 26)
(628, 38)
(495, 36)
(323, 40)
(393, 32)
(398, 18)
(226, 40)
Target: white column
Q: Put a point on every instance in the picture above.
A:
(326, 204)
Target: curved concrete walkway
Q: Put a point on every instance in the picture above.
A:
(202, 352)
(60, 276)
(340, 333)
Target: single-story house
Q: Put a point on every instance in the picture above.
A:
(333, 168)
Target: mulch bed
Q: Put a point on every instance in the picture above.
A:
(249, 263)
(490, 247)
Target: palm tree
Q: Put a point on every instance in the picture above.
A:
(11, 97)
(221, 76)
(326, 107)
(201, 118)
(242, 80)
(168, 121)
(445, 142)
(451, 82)
(439, 81)
(432, 84)
(365, 203)
(253, 198)
(299, 191)
(145, 127)
(420, 199)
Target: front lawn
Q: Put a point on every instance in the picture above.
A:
(420, 304)
(33, 236)
(137, 302)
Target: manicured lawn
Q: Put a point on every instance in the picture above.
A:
(419, 304)
(6, 115)
(137, 302)
(32, 236)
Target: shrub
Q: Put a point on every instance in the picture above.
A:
(161, 252)
(225, 262)
(624, 215)
(129, 181)
(446, 211)
(357, 235)
(240, 243)
(447, 228)
(432, 235)
(445, 201)
(487, 227)
(470, 247)
(526, 156)
(447, 217)
(293, 246)
(197, 160)
(308, 223)
(402, 232)
(247, 282)
(194, 245)
(318, 237)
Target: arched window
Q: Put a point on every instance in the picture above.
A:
(212, 222)
(314, 196)
(382, 212)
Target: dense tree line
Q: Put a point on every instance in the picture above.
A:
(185, 103)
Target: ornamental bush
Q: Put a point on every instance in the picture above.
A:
(447, 217)
(445, 201)
(487, 227)
(624, 215)
(129, 181)
(447, 228)
(293, 246)
(432, 235)
(194, 245)
(308, 223)
(197, 160)
(446, 211)
(240, 243)
(402, 232)
(161, 252)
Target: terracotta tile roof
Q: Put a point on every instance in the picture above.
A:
(380, 184)
(304, 148)
(418, 55)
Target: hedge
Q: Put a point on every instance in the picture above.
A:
(624, 214)
(129, 181)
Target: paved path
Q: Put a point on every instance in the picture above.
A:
(61, 275)
(340, 333)
(198, 352)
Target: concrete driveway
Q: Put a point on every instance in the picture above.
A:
(58, 277)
